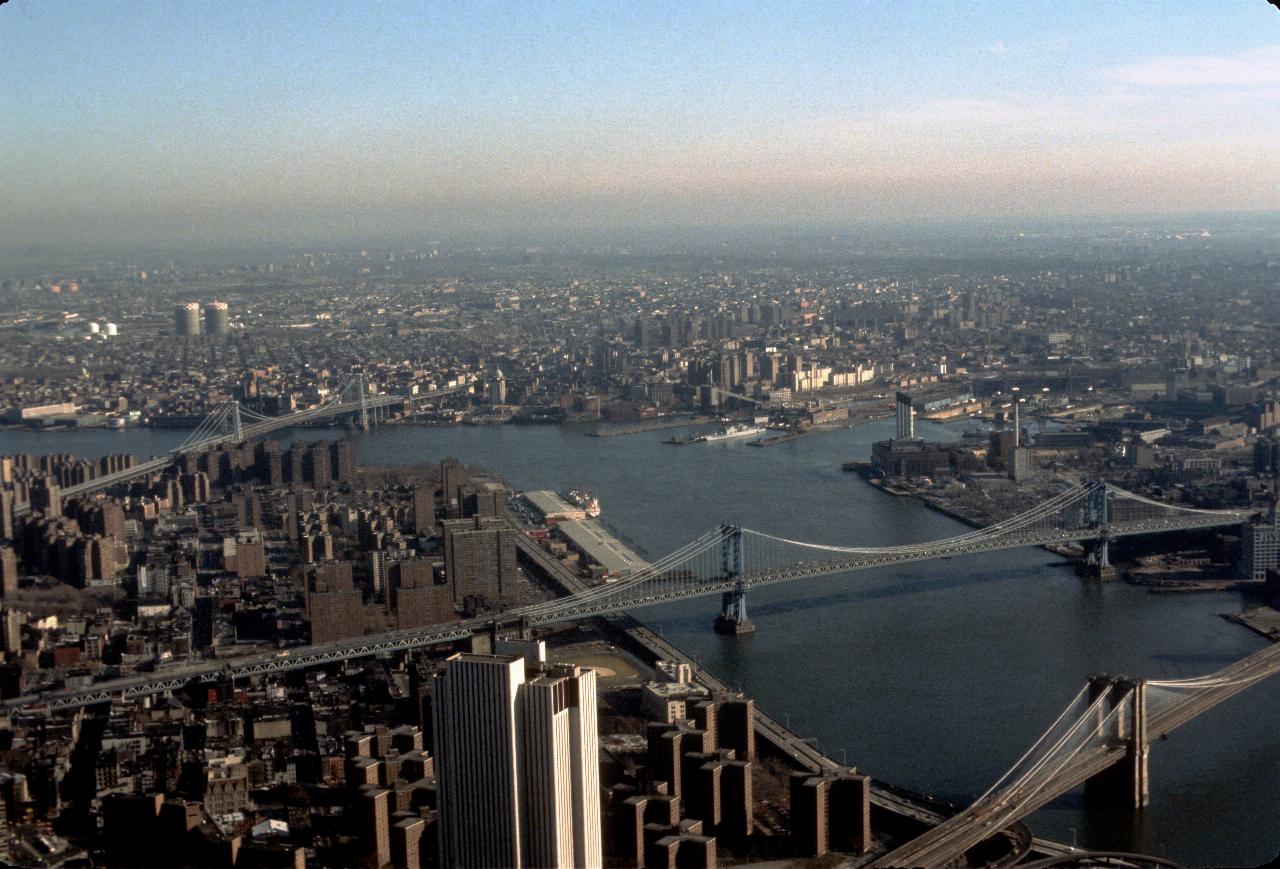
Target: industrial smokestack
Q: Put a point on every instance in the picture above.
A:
(906, 417)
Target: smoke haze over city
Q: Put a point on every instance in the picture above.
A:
(186, 123)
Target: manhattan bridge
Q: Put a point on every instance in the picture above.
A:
(1101, 738)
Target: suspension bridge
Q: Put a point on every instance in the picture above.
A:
(233, 423)
(1101, 740)
(728, 560)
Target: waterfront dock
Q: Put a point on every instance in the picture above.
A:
(854, 419)
(665, 422)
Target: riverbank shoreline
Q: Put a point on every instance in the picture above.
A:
(790, 436)
(655, 425)
(863, 469)
(1263, 620)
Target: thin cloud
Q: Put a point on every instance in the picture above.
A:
(1257, 67)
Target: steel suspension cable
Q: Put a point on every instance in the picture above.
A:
(1130, 496)
(1065, 712)
(990, 531)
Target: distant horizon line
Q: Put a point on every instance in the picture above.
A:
(405, 239)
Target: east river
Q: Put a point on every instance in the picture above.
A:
(935, 676)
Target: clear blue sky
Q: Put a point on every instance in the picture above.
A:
(138, 121)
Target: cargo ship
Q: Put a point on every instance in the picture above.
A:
(735, 431)
(585, 501)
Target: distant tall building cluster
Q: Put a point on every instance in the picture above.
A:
(187, 320)
(517, 763)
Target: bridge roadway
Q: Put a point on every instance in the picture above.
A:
(949, 841)
(803, 753)
(248, 432)
(1164, 717)
(661, 589)
(787, 742)
(656, 591)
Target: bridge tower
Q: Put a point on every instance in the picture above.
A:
(1126, 783)
(364, 402)
(237, 429)
(1097, 557)
(733, 614)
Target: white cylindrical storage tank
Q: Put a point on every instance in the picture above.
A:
(112, 329)
(94, 328)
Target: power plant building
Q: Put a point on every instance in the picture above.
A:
(906, 417)
(217, 319)
(186, 320)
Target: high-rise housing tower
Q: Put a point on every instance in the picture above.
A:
(217, 319)
(480, 559)
(497, 387)
(186, 320)
(517, 762)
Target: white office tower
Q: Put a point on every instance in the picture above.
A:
(517, 764)
(562, 768)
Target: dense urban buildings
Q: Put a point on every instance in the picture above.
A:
(268, 544)
(399, 405)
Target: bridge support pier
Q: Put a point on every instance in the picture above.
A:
(733, 614)
(1097, 553)
(1096, 562)
(1125, 783)
(364, 402)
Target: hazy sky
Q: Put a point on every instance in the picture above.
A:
(169, 120)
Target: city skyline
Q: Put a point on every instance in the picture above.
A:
(402, 402)
(184, 124)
